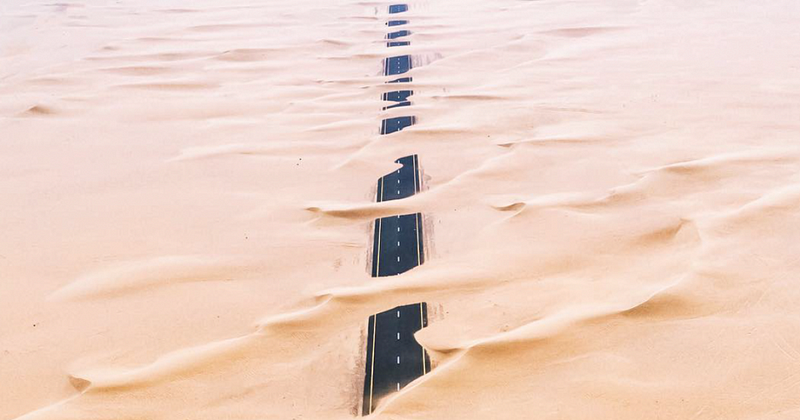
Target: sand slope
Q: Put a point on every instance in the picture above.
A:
(613, 194)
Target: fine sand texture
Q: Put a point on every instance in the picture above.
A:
(612, 206)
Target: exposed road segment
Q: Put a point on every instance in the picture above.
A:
(397, 95)
(398, 8)
(398, 242)
(391, 125)
(398, 34)
(397, 65)
(394, 358)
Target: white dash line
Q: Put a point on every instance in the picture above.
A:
(398, 360)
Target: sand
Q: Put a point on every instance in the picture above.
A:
(612, 204)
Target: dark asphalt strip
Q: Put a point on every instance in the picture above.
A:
(393, 125)
(398, 34)
(394, 357)
(398, 8)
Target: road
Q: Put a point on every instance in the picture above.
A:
(391, 125)
(401, 183)
(400, 97)
(394, 358)
(398, 241)
(397, 95)
(397, 65)
(398, 8)
(398, 34)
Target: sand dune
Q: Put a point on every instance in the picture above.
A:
(611, 199)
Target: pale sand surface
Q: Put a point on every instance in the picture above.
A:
(613, 208)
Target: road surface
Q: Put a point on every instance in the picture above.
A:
(398, 242)
(398, 34)
(394, 358)
(391, 125)
(398, 8)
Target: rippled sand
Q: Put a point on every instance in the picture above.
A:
(612, 199)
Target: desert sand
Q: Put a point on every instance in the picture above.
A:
(612, 196)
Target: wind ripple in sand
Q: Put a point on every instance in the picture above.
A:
(38, 111)
(135, 276)
(360, 212)
(583, 31)
(268, 149)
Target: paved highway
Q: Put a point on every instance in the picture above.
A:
(398, 241)
(397, 65)
(397, 95)
(398, 244)
(394, 358)
(400, 97)
(391, 125)
(401, 183)
(398, 8)
(398, 34)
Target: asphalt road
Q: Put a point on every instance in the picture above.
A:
(398, 8)
(401, 183)
(397, 65)
(398, 241)
(398, 34)
(392, 125)
(394, 358)
(397, 95)
(398, 245)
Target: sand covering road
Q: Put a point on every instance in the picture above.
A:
(612, 198)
